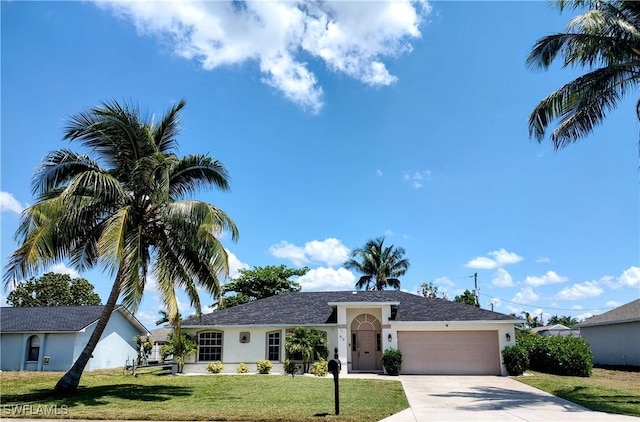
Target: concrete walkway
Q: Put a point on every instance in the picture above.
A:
(487, 398)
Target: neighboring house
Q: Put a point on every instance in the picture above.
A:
(50, 338)
(614, 337)
(159, 337)
(556, 330)
(436, 336)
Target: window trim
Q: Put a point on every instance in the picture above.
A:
(31, 349)
(212, 346)
(269, 345)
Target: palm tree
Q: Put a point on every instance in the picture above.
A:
(124, 210)
(306, 341)
(606, 40)
(378, 264)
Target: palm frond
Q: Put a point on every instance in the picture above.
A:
(194, 172)
(165, 133)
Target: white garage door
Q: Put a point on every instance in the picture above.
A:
(450, 353)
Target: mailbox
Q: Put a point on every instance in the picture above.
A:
(334, 366)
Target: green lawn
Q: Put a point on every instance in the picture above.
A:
(606, 390)
(159, 396)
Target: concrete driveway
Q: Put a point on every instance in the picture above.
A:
(487, 398)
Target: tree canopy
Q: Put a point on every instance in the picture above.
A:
(379, 265)
(468, 298)
(605, 40)
(259, 283)
(431, 291)
(123, 208)
(53, 289)
(566, 320)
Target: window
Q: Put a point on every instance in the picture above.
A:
(378, 342)
(33, 348)
(210, 346)
(354, 342)
(273, 346)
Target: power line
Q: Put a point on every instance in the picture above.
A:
(546, 307)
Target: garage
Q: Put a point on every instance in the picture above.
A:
(450, 353)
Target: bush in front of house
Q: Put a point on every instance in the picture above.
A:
(320, 368)
(560, 355)
(392, 361)
(215, 367)
(243, 368)
(515, 359)
(290, 367)
(264, 366)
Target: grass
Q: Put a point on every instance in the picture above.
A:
(611, 391)
(160, 396)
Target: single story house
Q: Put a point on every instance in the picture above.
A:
(159, 337)
(50, 338)
(614, 337)
(556, 330)
(436, 336)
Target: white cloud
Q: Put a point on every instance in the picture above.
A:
(580, 291)
(499, 258)
(496, 302)
(613, 303)
(543, 260)
(582, 317)
(351, 38)
(525, 295)
(148, 319)
(325, 279)
(630, 277)
(417, 178)
(577, 307)
(9, 203)
(443, 281)
(388, 232)
(330, 252)
(63, 269)
(235, 265)
(379, 173)
(502, 279)
(550, 277)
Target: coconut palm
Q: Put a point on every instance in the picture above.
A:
(123, 209)
(379, 265)
(606, 40)
(306, 342)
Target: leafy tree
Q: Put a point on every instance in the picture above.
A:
(532, 321)
(122, 209)
(467, 298)
(566, 320)
(180, 346)
(605, 41)
(306, 342)
(145, 346)
(261, 282)
(53, 289)
(431, 291)
(380, 265)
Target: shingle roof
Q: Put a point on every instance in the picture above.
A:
(307, 308)
(50, 318)
(625, 313)
(159, 335)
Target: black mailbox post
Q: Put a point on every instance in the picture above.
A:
(334, 368)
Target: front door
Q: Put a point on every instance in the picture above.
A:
(367, 350)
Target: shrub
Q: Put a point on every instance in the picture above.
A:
(243, 368)
(215, 367)
(290, 367)
(392, 361)
(320, 368)
(264, 366)
(516, 359)
(560, 355)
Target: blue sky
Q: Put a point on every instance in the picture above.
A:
(344, 123)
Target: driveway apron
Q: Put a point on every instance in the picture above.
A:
(487, 398)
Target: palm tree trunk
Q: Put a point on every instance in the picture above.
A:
(68, 384)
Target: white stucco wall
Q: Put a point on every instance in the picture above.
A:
(235, 352)
(614, 344)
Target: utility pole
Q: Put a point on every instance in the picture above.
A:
(491, 306)
(476, 292)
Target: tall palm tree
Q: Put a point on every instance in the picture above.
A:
(606, 40)
(123, 209)
(379, 265)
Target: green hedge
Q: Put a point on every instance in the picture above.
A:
(560, 355)
(516, 359)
